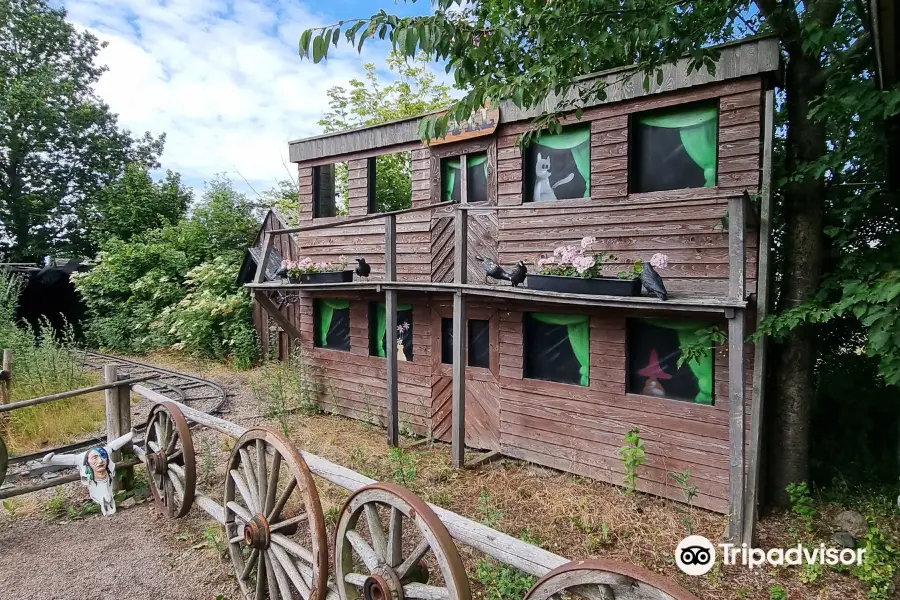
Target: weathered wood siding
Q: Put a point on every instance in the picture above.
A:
(580, 430)
(272, 339)
(687, 225)
(354, 384)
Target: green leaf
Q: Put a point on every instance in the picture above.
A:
(336, 36)
(304, 43)
(318, 49)
(412, 40)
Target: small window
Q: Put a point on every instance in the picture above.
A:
(378, 331)
(558, 166)
(331, 319)
(447, 341)
(654, 347)
(390, 182)
(557, 347)
(674, 149)
(479, 343)
(330, 190)
(476, 171)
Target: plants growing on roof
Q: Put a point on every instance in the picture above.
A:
(306, 266)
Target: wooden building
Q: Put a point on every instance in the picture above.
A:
(428, 343)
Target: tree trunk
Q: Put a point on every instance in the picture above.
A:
(804, 251)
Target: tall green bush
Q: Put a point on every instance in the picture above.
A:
(181, 273)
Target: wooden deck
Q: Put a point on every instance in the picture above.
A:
(681, 303)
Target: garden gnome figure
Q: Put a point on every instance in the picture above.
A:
(96, 469)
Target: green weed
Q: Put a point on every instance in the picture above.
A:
(632, 455)
(403, 467)
(802, 503)
(880, 563)
(776, 592)
(490, 515)
(688, 490)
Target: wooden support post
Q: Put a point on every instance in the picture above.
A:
(6, 383)
(268, 244)
(276, 314)
(736, 461)
(390, 327)
(124, 396)
(460, 331)
(762, 309)
(736, 270)
(113, 416)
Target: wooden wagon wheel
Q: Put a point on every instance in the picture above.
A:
(170, 460)
(391, 563)
(274, 521)
(4, 460)
(602, 579)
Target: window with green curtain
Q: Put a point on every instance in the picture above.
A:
(653, 349)
(477, 169)
(557, 347)
(331, 323)
(378, 329)
(566, 157)
(674, 148)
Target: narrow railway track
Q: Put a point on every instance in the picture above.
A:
(196, 392)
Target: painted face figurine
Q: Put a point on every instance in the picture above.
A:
(96, 470)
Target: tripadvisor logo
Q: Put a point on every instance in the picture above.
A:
(696, 555)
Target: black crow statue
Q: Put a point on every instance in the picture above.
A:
(362, 267)
(492, 269)
(652, 281)
(517, 273)
(281, 273)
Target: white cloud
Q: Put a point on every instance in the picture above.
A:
(221, 78)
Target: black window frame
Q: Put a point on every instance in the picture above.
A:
(317, 189)
(573, 368)
(444, 161)
(322, 344)
(529, 156)
(373, 323)
(372, 181)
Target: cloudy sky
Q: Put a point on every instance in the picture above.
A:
(222, 78)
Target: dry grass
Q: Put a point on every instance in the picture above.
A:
(53, 424)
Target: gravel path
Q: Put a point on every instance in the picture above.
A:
(134, 554)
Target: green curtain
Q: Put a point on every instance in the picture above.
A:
(381, 326)
(579, 142)
(703, 368)
(698, 135)
(451, 168)
(325, 309)
(579, 337)
(473, 160)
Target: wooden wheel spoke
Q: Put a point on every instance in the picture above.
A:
(153, 445)
(282, 500)
(376, 530)
(293, 548)
(239, 511)
(273, 485)
(250, 478)
(425, 592)
(357, 579)
(262, 476)
(413, 559)
(158, 431)
(395, 538)
(173, 443)
(288, 522)
(291, 571)
(281, 578)
(251, 562)
(175, 479)
(363, 549)
(261, 577)
(245, 491)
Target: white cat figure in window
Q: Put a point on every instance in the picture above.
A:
(542, 188)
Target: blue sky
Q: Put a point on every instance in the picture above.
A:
(222, 78)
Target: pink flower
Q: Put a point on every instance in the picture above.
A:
(323, 266)
(305, 262)
(587, 242)
(582, 263)
(660, 261)
(543, 262)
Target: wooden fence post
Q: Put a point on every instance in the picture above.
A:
(113, 416)
(126, 477)
(460, 330)
(6, 382)
(390, 314)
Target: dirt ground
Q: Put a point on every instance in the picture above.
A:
(569, 515)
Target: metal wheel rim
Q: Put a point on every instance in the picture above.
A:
(166, 492)
(414, 510)
(609, 574)
(4, 460)
(277, 582)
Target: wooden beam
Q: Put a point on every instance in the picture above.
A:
(113, 417)
(276, 314)
(390, 326)
(342, 221)
(268, 244)
(460, 331)
(736, 267)
(124, 396)
(762, 309)
(71, 394)
(6, 380)
(734, 531)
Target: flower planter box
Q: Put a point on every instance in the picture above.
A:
(332, 277)
(601, 286)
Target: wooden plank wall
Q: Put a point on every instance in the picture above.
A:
(265, 328)
(353, 383)
(580, 430)
(366, 240)
(685, 224)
